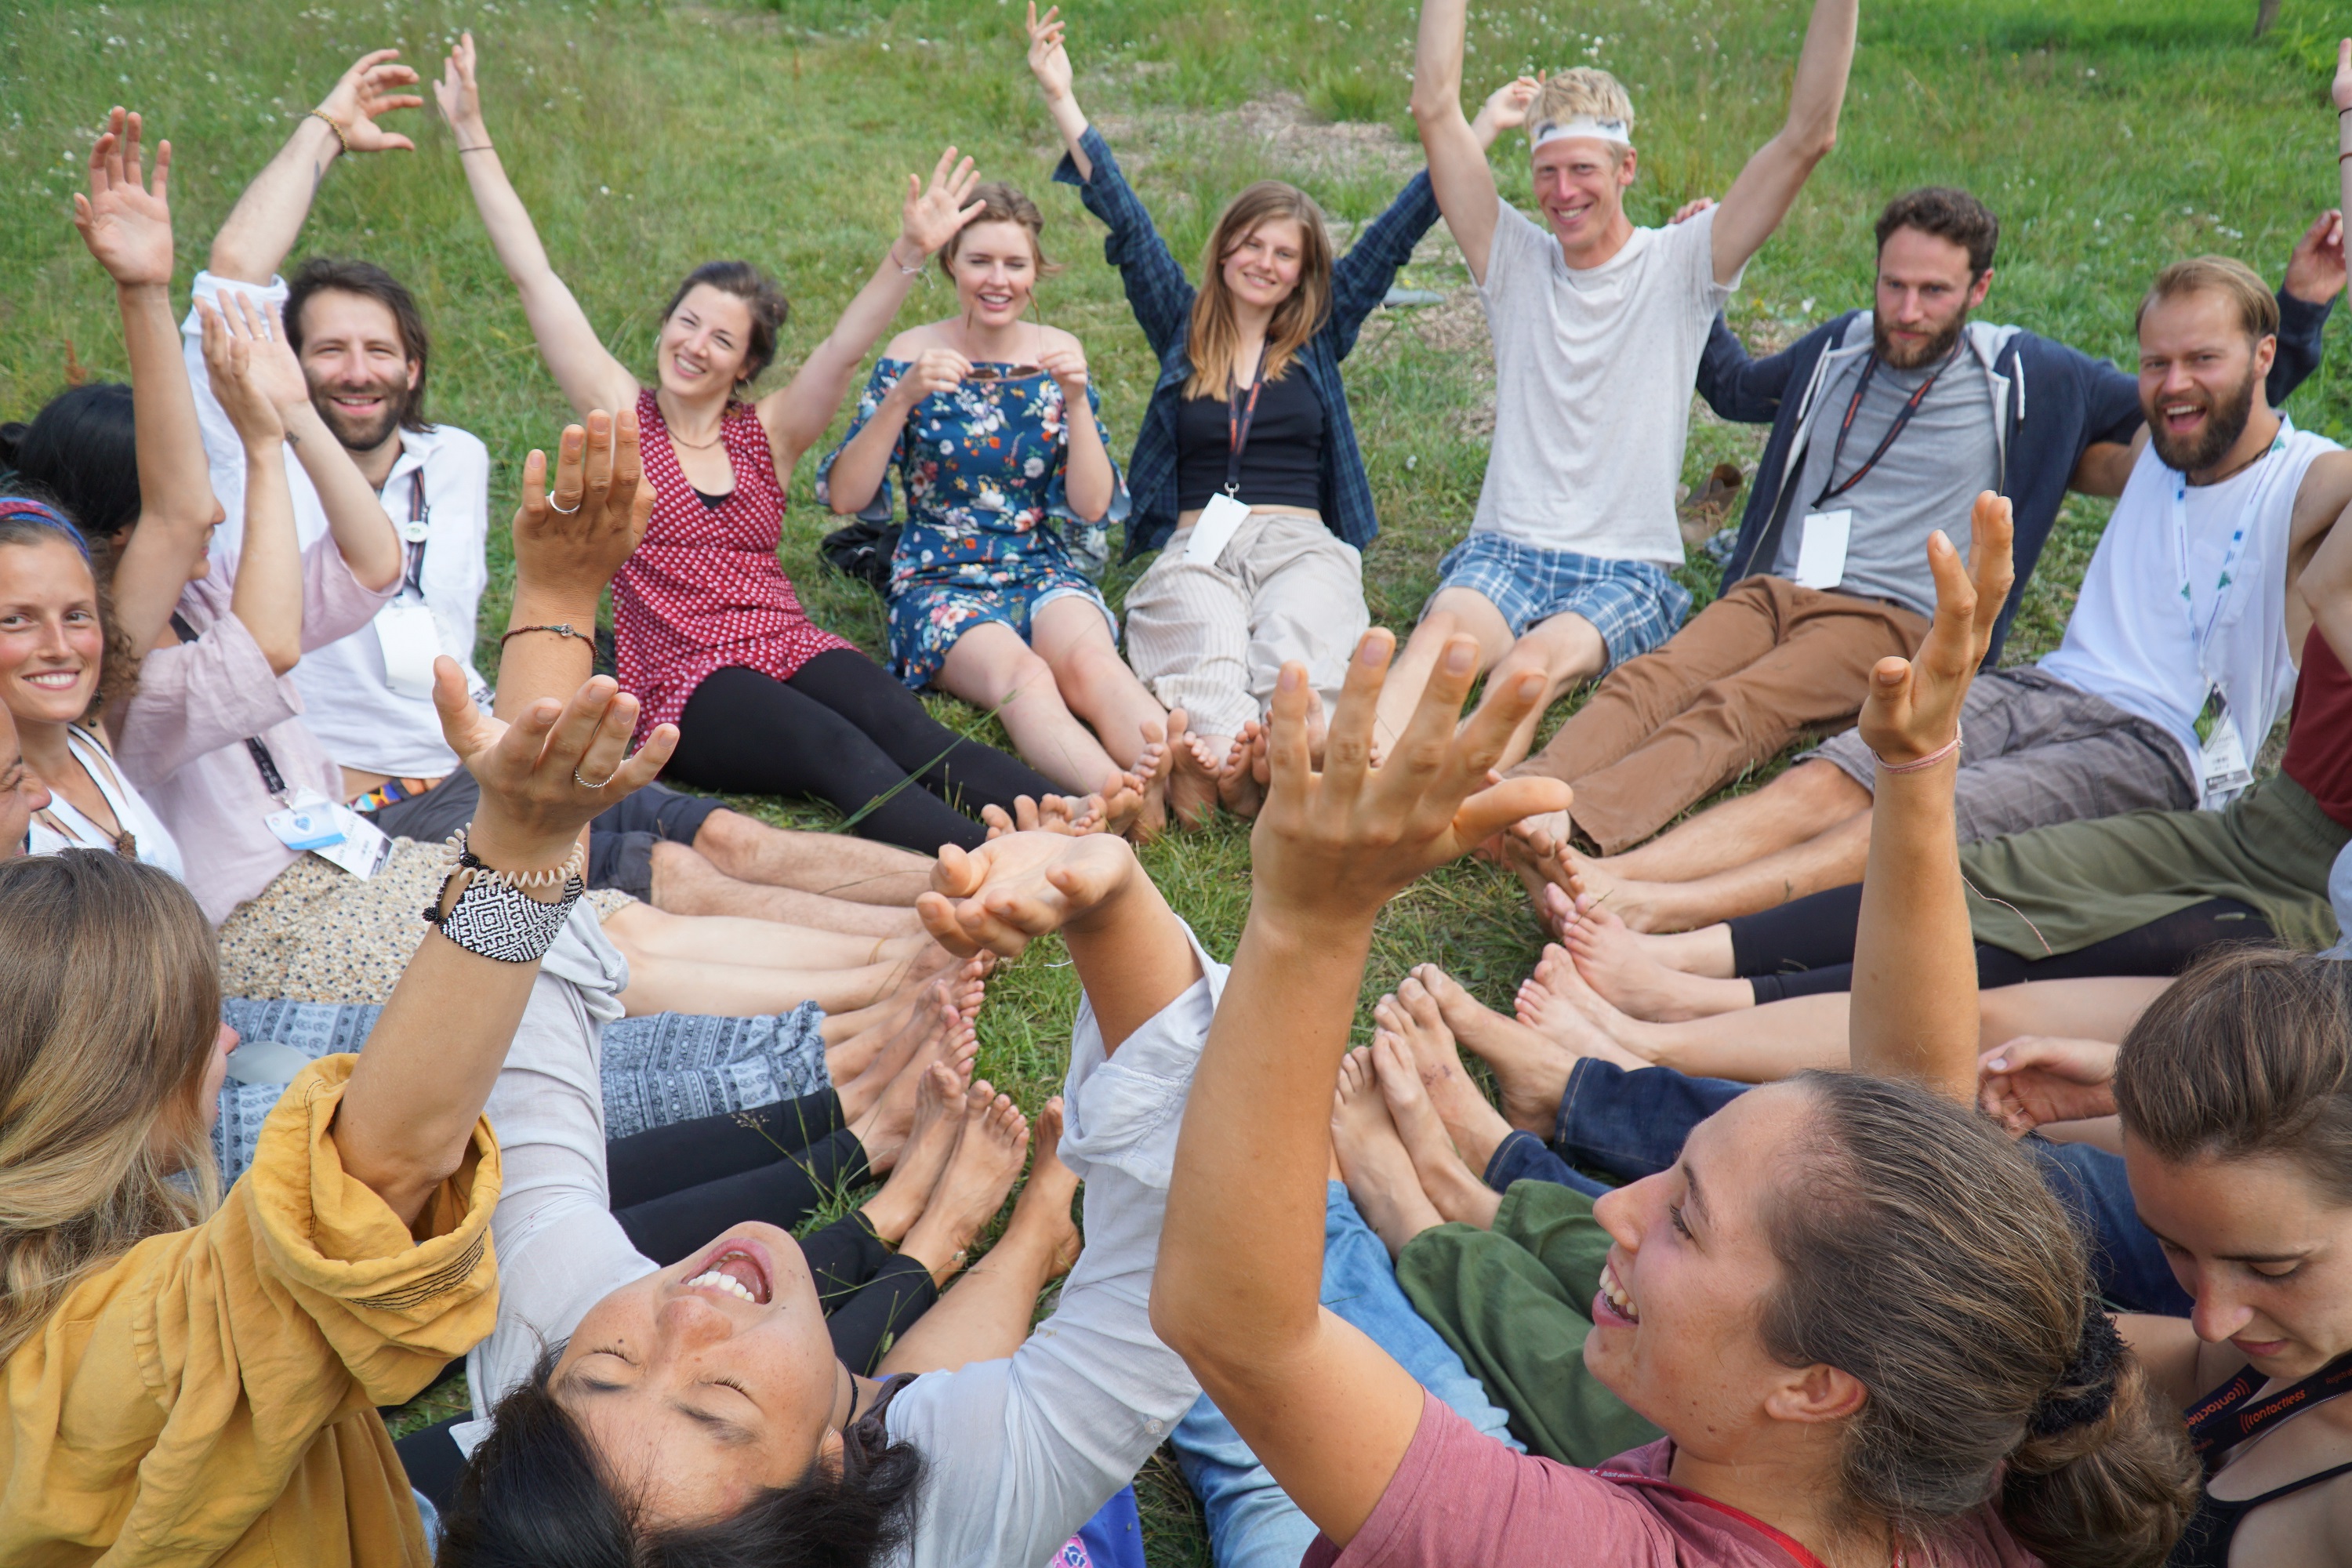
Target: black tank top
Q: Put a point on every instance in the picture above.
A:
(2219, 1422)
(1281, 462)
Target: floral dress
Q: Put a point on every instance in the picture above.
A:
(988, 533)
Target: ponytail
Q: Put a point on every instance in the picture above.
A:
(2115, 1492)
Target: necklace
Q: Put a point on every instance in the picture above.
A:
(678, 440)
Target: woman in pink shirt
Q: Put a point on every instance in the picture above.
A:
(1864, 1323)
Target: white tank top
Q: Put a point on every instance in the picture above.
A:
(2130, 638)
(60, 826)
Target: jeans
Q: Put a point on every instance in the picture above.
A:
(1252, 1523)
(1629, 1125)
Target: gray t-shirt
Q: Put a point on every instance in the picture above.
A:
(1593, 372)
(1925, 481)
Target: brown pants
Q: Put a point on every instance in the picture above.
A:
(1751, 673)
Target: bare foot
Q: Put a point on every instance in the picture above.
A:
(1193, 775)
(1151, 770)
(884, 1129)
(1530, 1068)
(1617, 964)
(1122, 797)
(1476, 1128)
(1556, 1003)
(1242, 778)
(940, 1108)
(973, 1186)
(888, 1033)
(1372, 1158)
(1458, 1192)
(1041, 1214)
(1072, 815)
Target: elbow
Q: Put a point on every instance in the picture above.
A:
(283, 653)
(1178, 1326)
(1811, 143)
(1430, 109)
(378, 579)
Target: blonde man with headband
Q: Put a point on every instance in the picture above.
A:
(1597, 328)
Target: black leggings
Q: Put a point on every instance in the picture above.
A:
(1805, 948)
(843, 729)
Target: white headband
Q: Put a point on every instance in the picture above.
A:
(1613, 131)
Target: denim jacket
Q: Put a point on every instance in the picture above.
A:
(1162, 298)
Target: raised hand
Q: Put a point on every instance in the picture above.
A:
(1913, 706)
(544, 776)
(1506, 107)
(568, 540)
(1049, 59)
(2314, 268)
(2036, 1080)
(254, 374)
(1691, 209)
(1014, 889)
(2341, 93)
(127, 225)
(365, 91)
(1337, 845)
(456, 94)
(1067, 367)
(933, 215)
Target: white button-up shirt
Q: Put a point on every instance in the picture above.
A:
(347, 697)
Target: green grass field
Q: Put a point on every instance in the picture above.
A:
(2110, 135)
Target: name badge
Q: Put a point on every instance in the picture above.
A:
(1220, 520)
(2222, 765)
(333, 831)
(1821, 549)
(410, 640)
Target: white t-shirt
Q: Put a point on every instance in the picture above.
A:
(60, 826)
(2128, 640)
(347, 699)
(1593, 372)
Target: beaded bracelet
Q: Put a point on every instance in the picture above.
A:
(460, 853)
(341, 138)
(1919, 764)
(561, 628)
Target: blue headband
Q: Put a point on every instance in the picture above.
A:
(34, 512)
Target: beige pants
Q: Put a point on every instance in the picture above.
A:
(1211, 639)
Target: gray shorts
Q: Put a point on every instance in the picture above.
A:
(2038, 751)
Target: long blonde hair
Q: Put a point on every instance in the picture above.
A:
(1216, 339)
(110, 1006)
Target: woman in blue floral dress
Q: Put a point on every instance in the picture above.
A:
(1008, 498)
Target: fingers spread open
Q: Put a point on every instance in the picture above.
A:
(1347, 741)
(570, 478)
(1480, 743)
(1286, 730)
(608, 747)
(1495, 807)
(569, 738)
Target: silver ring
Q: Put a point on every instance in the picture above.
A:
(583, 784)
(572, 511)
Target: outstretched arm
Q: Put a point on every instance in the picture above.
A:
(127, 224)
(1457, 161)
(1325, 1409)
(267, 598)
(263, 225)
(1914, 965)
(584, 370)
(1760, 197)
(796, 414)
(2341, 94)
(408, 1114)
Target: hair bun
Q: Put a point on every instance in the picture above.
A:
(2087, 1388)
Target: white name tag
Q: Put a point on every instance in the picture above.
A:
(1821, 549)
(2221, 761)
(410, 641)
(333, 831)
(1220, 520)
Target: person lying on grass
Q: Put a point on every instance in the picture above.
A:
(701, 1414)
(1861, 1321)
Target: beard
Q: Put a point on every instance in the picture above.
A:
(362, 435)
(2225, 420)
(1895, 357)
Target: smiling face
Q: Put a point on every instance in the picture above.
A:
(1925, 294)
(2267, 1253)
(1581, 184)
(1674, 1322)
(51, 642)
(21, 794)
(359, 369)
(2199, 375)
(706, 344)
(995, 269)
(713, 1379)
(1261, 269)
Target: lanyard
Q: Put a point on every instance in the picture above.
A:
(2217, 1424)
(415, 532)
(1238, 420)
(255, 746)
(1902, 418)
(2200, 639)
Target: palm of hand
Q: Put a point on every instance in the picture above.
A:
(129, 233)
(931, 219)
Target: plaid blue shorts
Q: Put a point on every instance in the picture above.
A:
(1634, 604)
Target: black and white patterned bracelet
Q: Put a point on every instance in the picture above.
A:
(493, 919)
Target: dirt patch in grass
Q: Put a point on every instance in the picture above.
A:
(1279, 132)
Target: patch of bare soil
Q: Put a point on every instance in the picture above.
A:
(1277, 133)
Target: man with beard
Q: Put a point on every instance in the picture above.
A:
(1886, 423)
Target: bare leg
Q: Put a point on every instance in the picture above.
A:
(986, 1315)
(837, 865)
(974, 1184)
(1567, 650)
(1454, 610)
(1704, 952)
(939, 1109)
(937, 1029)
(1530, 1068)
(1456, 1191)
(991, 667)
(854, 1041)
(1758, 1044)
(1372, 1158)
(1476, 1128)
(1618, 965)
(659, 984)
(640, 930)
(1075, 642)
(684, 883)
(2092, 1008)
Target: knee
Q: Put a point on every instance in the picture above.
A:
(1824, 783)
(1028, 678)
(723, 832)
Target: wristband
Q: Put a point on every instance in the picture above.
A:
(1919, 764)
(561, 628)
(494, 916)
(485, 147)
(334, 125)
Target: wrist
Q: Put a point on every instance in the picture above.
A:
(506, 846)
(542, 604)
(908, 254)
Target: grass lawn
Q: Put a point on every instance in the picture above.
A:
(2110, 135)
